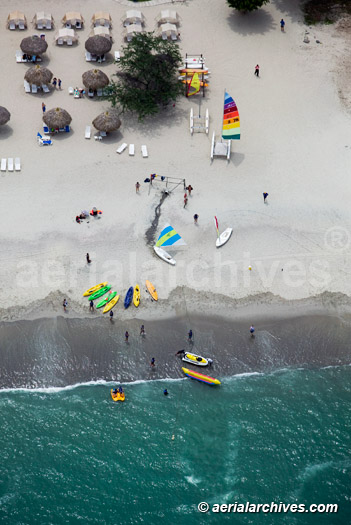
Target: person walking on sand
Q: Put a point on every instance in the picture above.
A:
(196, 218)
(88, 259)
(137, 187)
(91, 306)
(152, 362)
(126, 335)
(190, 189)
(257, 70)
(111, 316)
(185, 200)
(64, 304)
(265, 195)
(282, 25)
(190, 336)
(43, 107)
(54, 82)
(59, 83)
(142, 330)
(209, 362)
(180, 352)
(252, 330)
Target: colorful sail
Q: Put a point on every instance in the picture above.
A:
(216, 223)
(169, 237)
(231, 119)
(194, 84)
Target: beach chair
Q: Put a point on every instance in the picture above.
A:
(121, 148)
(90, 93)
(48, 24)
(144, 151)
(67, 129)
(19, 56)
(131, 149)
(98, 137)
(87, 132)
(3, 164)
(174, 36)
(39, 25)
(99, 92)
(69, 42)
(26, 86)
(78, 25)
(103, 134)
(43, 141)
(10, 164)
(70, 90)
(59, 41)
(21, 26)
(17, 164)
(87, 56)
(34, 88)
(45, 88)
(12, 26)
(68, 25)
(46, 129)
(117, 56)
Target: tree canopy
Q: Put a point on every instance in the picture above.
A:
(247, 5)
(148, 76)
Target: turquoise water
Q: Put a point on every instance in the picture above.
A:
(74, 456)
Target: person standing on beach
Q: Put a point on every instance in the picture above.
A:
(59, 83)
(257, 70)
(137, 187)
(64, 304)
(88, 259)
(91, 306)
(126, 335)
(185, 199)
(252, 330)
(111, 316)
(196, 218)
(282, 25)
(180, 352)
(190, 189)
(43, 107)
(209, 362)
(265, 195)
(190, 336)
(142, 330)
(152, 362)
(54, 82)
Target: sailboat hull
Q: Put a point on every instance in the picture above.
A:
(224, 237)
(164, 255)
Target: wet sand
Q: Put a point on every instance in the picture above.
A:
(60, 351)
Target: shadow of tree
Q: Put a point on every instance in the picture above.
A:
(5, 132)
(248, 24)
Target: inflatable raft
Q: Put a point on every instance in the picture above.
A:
(201, 377)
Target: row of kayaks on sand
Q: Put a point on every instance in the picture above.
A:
(108, 302)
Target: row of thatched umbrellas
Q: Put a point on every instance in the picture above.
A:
(93, 79)
(59, 118)
(34, 45)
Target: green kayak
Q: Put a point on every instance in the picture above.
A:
(99, 293)
(106, 300)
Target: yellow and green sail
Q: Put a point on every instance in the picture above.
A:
(169, 237)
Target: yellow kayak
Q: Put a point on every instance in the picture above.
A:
(94, 289)
(110, 305)
(136, 296)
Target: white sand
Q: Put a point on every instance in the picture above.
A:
(295, 145)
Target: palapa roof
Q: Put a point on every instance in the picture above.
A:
(33, 45)
(101, 15)
(168, 16)
(57, 118)
(38, 75)
(4, 115)
(72, 15)
(16, 16)
(98, 45)
(107, 121)
(95, 79)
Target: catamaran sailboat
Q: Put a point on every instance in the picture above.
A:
(223, 237)
(168, 237)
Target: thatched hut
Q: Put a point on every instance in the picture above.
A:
(107, 121)
(38, 75)
(57, 118)
(95, 79)
(4, 116)
(34, 45)
(98, 45)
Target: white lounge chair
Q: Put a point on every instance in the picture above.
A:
(121, 148)
(97, 137)
(131, 149)
(174, 36)
(69, 41)
(34, 88)
(17, 164)
(99, 92)
(19, 57)
(59, 41)
(78, 25)
(12, 26)
(3, 164)
(87, 132)
(117, 56)
(88, 56)
(144, 151)
(21, 26)
(90, 93)
(48, 24)
(70, 90)
(103, 133)
(39, 25)
(45, 88)
(10, 164)
(26, 86)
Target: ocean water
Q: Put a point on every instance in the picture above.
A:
(73, 456)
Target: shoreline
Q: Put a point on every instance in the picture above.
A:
(57, 352)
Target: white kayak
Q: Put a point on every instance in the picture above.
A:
(164, 255)
(224, 237)
(195, 359)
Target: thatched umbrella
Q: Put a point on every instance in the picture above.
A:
(33, 45)
(4, 115)
(57, 118)
(98, 45)
(95, 79)
(107, 121)
(38, 75)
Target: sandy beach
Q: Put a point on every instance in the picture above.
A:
(295, 121)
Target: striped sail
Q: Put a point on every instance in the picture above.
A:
(231, 119)
(169, 237)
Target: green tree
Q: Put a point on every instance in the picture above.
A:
(247, 5)
(148, 76)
